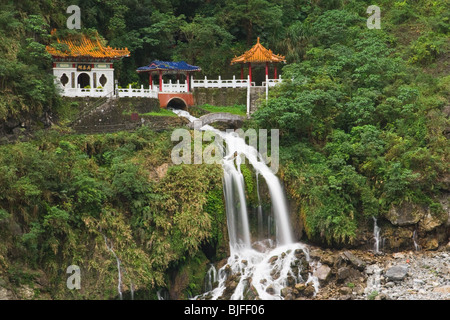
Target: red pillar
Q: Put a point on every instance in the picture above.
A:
(160, 80)
(267, 69)
(250, 72)
(275, 72)
(242, 71)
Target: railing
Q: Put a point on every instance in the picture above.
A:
(169, 86)
(173, 87)
(272, 82)
(219, 83)
(137, 93)
(84, 92)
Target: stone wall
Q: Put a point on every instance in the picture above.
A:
(121, 114)
(220, 96)
(229, 97)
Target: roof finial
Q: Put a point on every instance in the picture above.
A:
(258, 39)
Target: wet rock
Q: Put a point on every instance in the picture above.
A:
(286, 291)
(270, 290)
(309, 290)
(397, 273)
(300, 287)
(273, 259)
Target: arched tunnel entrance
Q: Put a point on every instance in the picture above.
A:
(177, 103)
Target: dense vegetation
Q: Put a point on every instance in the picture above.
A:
(361, 122)
(60, 198)
(362, 129)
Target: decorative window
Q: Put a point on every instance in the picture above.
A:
(103, 80)
(64, 79)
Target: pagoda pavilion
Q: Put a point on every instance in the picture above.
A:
(168, 68)
(258, 55)
(83, 66)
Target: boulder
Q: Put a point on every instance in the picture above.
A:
(354, 260)
(343, 273)
(397, 273)
(270, 290)
(406, 214)
(432, 221)
(345, 290)
(286, 291)
(322, 273)
(309, 290)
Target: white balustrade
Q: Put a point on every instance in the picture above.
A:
(174, 87)
(137, 93)
(84, 92)
(169, 86)
(273, 82)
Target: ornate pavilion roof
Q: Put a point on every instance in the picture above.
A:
(258, 54)
(169, 67)
(85, 47)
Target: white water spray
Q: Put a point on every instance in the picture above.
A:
(262, 268)
(376, 235)
(415, 239)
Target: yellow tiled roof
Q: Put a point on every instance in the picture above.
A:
(86, 47)
(258, 54)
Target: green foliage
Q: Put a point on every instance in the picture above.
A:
(69, 193)
(355, 120)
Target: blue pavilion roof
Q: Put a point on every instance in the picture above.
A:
(168, 66)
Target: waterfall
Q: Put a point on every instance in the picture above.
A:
(414, 237)
(261, 267)
(260, 213)
(211, 278)
(119, 285)
(376, 235)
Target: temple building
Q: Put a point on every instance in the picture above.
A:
(83, 66)
(258, 55)
(162, 68)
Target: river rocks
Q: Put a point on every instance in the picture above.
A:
(5, 294)
(443, 289)
(421, 276)
(397, 273)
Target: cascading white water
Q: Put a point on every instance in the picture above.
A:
(260, 212)
(211, 278)
(416, 245)
(257, 266)
(376, 235)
